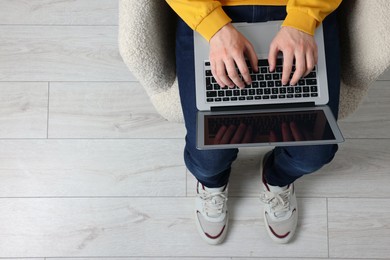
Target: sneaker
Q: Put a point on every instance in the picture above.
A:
(280, 209)
(211, 213)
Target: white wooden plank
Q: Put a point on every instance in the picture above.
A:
(53, 12)
(372, 119)
(146, 227)
(360, 168)
(23, 109)
(359, 228)
(61, 53)
(106, 110)
(385, 75)
(56, 168)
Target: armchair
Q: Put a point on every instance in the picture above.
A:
(147, 40)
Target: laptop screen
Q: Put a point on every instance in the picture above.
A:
(275, 128)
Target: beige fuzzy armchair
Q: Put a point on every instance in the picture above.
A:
(147, 36)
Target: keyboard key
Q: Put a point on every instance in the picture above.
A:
(311, 82)
(260, 77)
(314, 94)
(210, 99)
(268, 77)
(306, 89)
(211, 93)
(221, 93)
(267, 91)
(282, 90)
(255, 84)
(229, 93)
(233, 98)
(208, 73)
(217, 99)
(236, 92)
(263, 84)
(313, 89)
(265, 97)
(298, 89)
(270, 84)
(249, 98)
(274, 96)
(311, 75)
(275, 91)
(259, 91)
(257, 97)
(278, 83)
(282, 96)
(244, 92)
(241, 98)
(226, 99)
(263, 63)
(251, 92)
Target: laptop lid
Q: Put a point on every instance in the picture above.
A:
(261, 36)
(276, 127)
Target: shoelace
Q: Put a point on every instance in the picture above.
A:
(280, 202)
(213, 203)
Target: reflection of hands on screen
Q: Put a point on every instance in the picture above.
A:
(233, 134)
(290, 131)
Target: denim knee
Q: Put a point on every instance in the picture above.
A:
(300, 160)
(208, 165)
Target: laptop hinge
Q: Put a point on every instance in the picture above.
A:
(266, 106)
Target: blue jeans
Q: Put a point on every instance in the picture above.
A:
(286, 164)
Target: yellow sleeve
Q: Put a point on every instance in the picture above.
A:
(306, 15)
(203, 16)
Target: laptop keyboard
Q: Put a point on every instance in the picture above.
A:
(265, 85)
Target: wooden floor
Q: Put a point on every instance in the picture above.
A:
(88, 169)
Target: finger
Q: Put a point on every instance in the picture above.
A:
(243, 68)
(248, 135)
(220, 134)
(238, 136)
(296, 132)
(214, 70)
(310, 63)
(228, 134)
(300, 67)
(286, 132)
(252, 56)
(272, 136)
(288, 59)
(221, 74)
(233, 74)
(272, 56)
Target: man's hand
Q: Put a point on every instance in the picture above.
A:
(228, 49)
(297, 45)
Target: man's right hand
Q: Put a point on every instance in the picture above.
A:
(228, 50)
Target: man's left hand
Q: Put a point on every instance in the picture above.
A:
(294, 44)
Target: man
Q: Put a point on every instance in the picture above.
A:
(230, 49)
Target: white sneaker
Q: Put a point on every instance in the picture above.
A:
(280, 209)
(211, 213)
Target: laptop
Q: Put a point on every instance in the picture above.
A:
(265, 113)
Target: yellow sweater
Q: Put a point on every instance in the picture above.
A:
(207, 16)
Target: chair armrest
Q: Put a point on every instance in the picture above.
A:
(147, 42)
